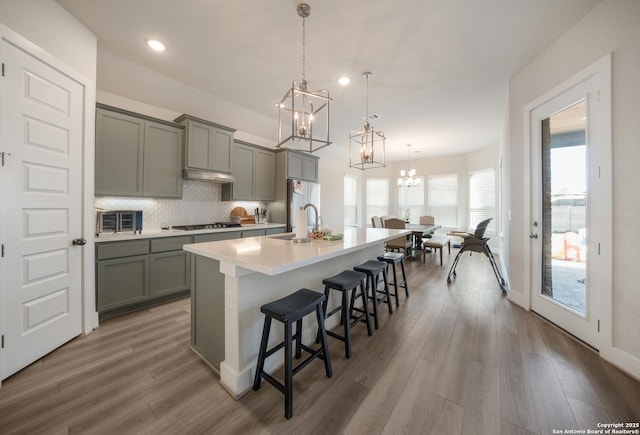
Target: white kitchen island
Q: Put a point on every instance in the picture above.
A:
(243, 274)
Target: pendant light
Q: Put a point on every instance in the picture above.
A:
(367, 147)
(408, 178)
(303, 115)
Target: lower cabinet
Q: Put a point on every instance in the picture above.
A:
(134, 274)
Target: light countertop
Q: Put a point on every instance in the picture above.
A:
(271, 255)
(149, 234)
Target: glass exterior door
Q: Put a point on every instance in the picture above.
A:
(564, 207)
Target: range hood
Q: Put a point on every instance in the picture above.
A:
(203, 175)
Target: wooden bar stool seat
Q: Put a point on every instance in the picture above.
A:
(374, 271)
(288, 310)
(393, 259)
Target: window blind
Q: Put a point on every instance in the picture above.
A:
(350, 201)
(377, 197)
(411, 201)
(442, 199)
(482, 198)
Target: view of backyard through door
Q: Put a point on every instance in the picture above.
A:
(564, 225)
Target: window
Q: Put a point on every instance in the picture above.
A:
(350, 201)
(411, 201)
(377, 197)
(442, 194)
(482, 198)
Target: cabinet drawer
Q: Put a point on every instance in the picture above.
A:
(212, 237)
(170, 243)
(253, 233)
(275, 230)
(122, 249)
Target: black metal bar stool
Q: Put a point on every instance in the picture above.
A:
(392, 259)
(373, 269)
(287, 310)
(344, 282)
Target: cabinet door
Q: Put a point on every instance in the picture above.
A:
(122, 281)
(253, 233)
(294, 166)
(264, 175)
(169, 273)
(213, 237)
(221, 151)
(243, 165)
(119, 154)
(198, 148)
(162, 161)
(310, 168)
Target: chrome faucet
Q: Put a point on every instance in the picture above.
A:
(316, 226)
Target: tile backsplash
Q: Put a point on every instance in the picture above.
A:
(201, 203)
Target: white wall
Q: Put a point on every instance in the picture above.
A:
(613, 26)
(49, 25)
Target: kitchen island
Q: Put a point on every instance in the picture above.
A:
(231, 279)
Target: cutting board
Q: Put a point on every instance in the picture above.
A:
(245, 218)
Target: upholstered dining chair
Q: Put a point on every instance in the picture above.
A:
(427, 220)
(376, 222)
(403, 242)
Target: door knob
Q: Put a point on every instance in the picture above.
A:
(79, 242)
(533, 235)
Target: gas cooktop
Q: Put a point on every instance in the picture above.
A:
(206, 226)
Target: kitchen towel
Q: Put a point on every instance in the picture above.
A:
(301, 224)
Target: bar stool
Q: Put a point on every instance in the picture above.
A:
(287, 310)
(344, 282)
(392, 259)
(373, 269)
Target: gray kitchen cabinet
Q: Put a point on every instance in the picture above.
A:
(254, 170)
(299, 165)
(213, 237)
(274, 231)
(208, 145)
(169, 273)
(137, 155)
(133, 274)
(122, 281)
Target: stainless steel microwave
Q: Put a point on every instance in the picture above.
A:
(116, 221)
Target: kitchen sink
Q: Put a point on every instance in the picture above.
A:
(285, 236)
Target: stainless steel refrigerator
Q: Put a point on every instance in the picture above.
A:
(300, 193)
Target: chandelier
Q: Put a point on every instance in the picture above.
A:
(303, 120)
(408, 178)
(367, 143)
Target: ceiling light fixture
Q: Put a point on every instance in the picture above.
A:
(156, 45)
(301, 111)
(408, 178)
(369, 144)
(344, 80)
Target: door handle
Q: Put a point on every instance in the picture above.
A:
(533, 235)
(79, 242)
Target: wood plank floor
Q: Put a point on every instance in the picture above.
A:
(452, 359)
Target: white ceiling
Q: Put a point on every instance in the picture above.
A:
(440, 68)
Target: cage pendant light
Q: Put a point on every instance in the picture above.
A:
(367, 147)
(408, 178)
(303, 115)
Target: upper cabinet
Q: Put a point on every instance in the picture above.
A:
(254, 171)
(300, 166)
(137, 155)
(208, 145)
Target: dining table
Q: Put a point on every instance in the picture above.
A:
(418, 232)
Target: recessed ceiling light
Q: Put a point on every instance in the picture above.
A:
(156, 45)
(344, 80)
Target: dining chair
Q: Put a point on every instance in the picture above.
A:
(403, 242)
(376, 222)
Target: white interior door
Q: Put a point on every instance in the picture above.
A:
(41, 128)
(565, 210)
